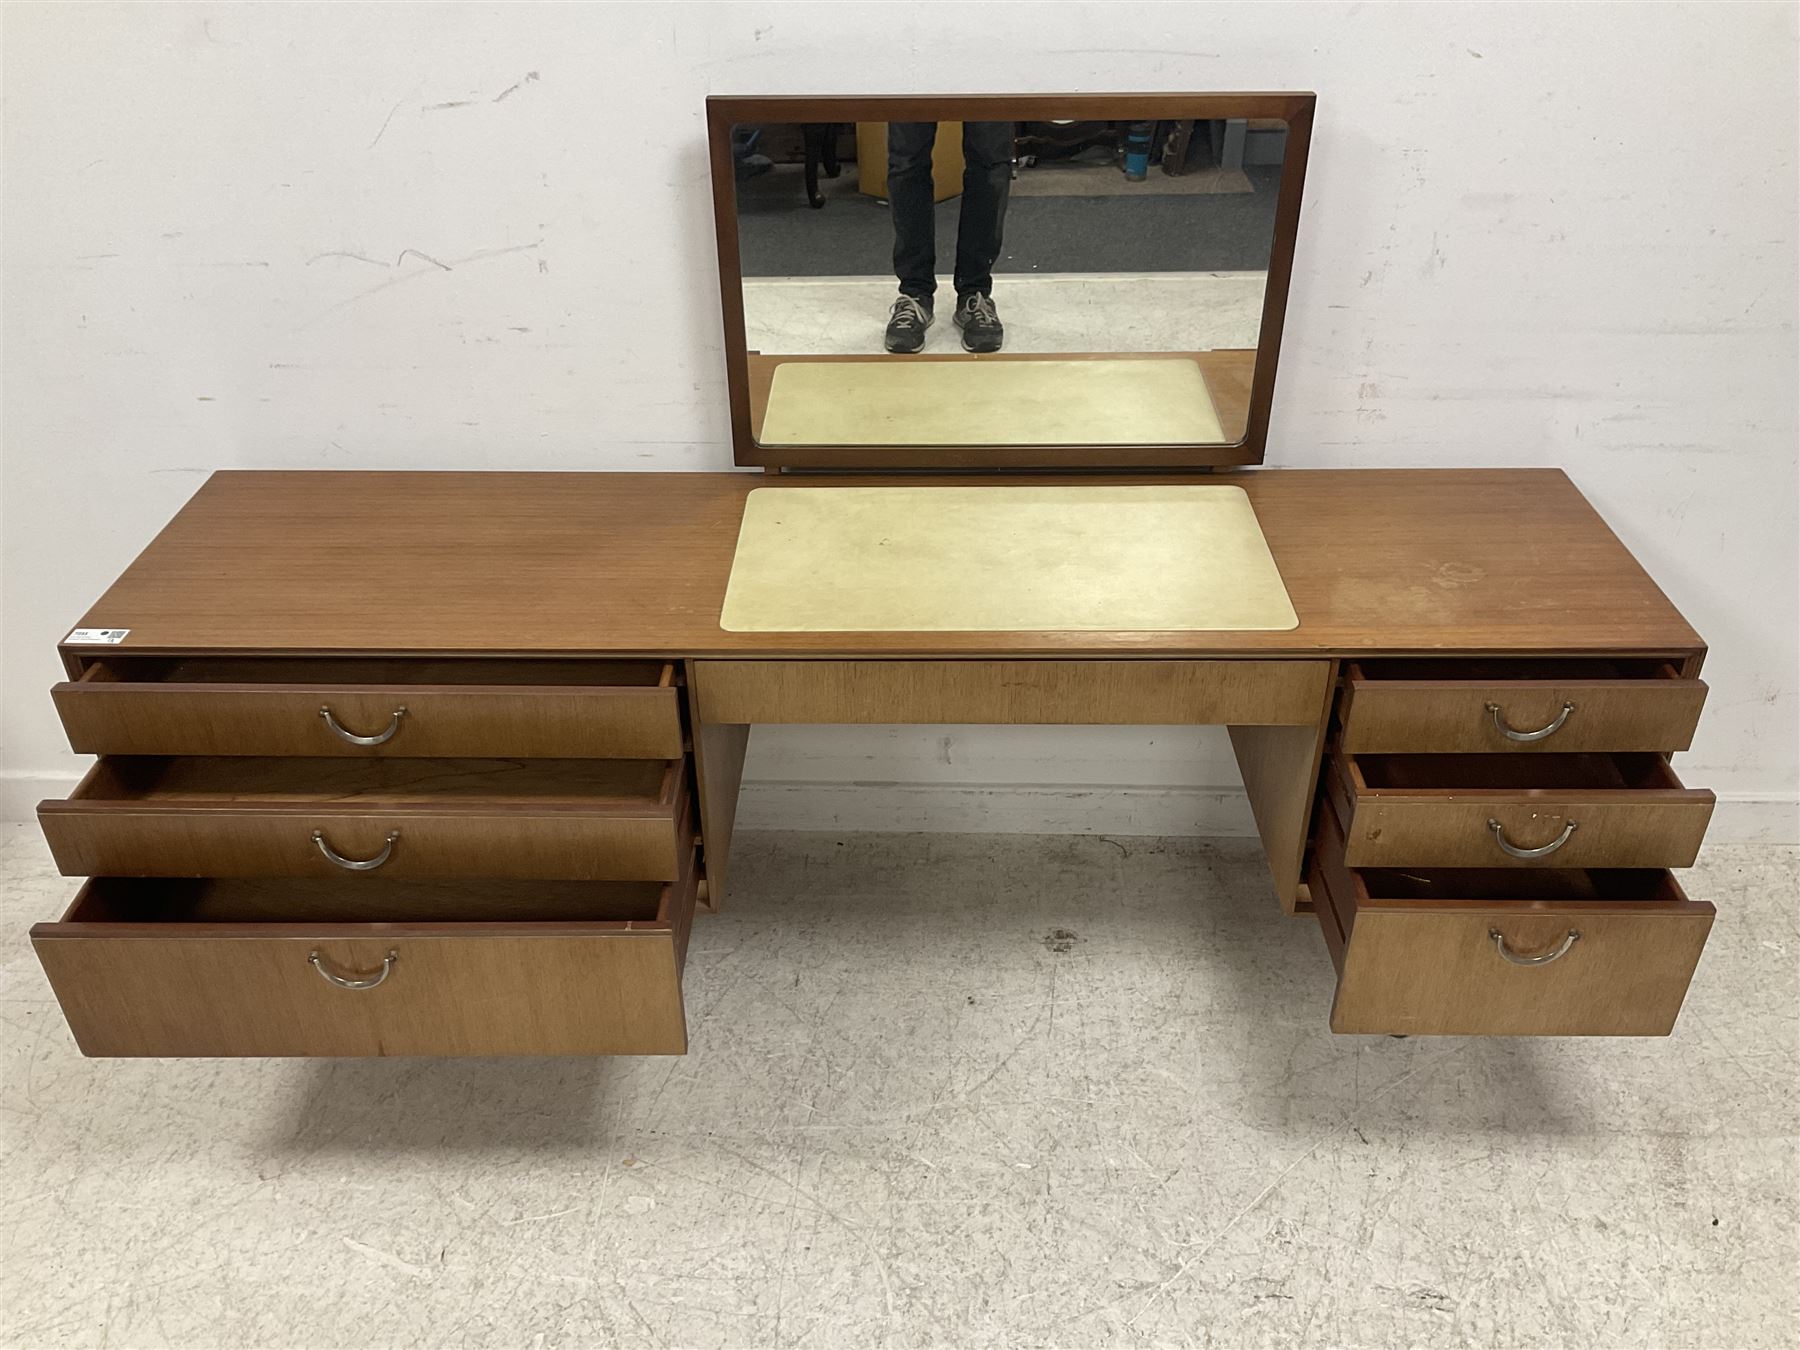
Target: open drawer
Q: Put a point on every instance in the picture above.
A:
(577, 819)
(1473, 952)
(183, 968)
(1567, 810)
(370, 707)
(1395, 706)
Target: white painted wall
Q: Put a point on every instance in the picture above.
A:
(1533, 235)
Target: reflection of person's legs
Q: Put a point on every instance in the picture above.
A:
(909, 199)
(915, 242)
(987, 178)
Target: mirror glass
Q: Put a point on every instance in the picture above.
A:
(1004, 283)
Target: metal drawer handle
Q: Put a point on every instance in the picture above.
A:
(353, 864)
(382, 739)
(1512, 850)
(331, 977)
(1512, 734)
(1508, 954)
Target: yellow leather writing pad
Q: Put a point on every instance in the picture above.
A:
(1175, 558)
(1156, 401)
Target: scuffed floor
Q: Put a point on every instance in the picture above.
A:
(944, 1090)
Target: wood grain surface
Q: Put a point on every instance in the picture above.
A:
(1446, 715)
(719, 751)
(1418, 956)
(1434, 810)
(1066, 693)
(1280, 769)
(615, 564)
(499, 988)
(248, 817)
(273, 706)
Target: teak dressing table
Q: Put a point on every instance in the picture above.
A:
(447, 763)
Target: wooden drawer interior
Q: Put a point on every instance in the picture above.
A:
(313, 671)
(1504, 669)
(1629, 772)
(165, 901)
(1379, 885)
(225, 781)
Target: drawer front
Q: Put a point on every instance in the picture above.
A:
(245, 817)
(1110, 692)
(1432, 968)
(1581, 834)
(571, 846)
(1459, 967)
(120, 716)
(451, 989)
(1552, 826)
(1451, 716)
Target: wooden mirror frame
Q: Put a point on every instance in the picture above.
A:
(726, 111)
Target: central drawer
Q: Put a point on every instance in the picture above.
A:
(246, 816)
(210, 967)
(1076, 693)
(370, 707)
(1568, 810)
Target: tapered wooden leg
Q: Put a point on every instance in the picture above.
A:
(718, 773)
(1280, 766)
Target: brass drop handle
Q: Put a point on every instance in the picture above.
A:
(1513, 734)
(1512, 850)
(1508, 954)
(356, 864)
(380, 738)
(331, 977)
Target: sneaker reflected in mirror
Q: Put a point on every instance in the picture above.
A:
(907, 322)
(982, 330)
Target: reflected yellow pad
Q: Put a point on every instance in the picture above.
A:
(1157, 401)
(1174, 558)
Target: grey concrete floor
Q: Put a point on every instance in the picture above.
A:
(944, 1090)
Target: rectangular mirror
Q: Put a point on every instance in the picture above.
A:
(1092, 280)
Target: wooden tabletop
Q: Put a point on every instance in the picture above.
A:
(1375, 560)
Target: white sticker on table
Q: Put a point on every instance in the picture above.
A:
(97, 637)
